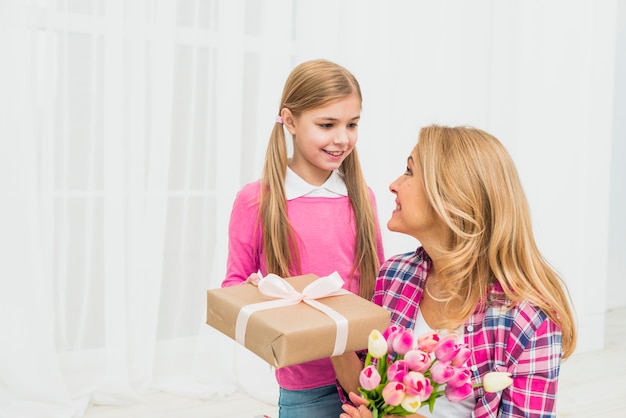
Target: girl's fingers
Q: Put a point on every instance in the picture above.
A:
(253, 279)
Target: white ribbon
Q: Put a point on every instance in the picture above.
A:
(275, 286)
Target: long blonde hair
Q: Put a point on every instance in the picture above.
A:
(310, 85)
(473, 185)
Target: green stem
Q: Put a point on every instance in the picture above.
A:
(368, 359)
(382, 369)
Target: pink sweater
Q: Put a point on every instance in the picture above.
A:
(327, 243)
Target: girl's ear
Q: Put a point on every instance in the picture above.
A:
(289, 120)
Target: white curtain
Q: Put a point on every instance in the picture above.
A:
(121, 140)
(127, 127)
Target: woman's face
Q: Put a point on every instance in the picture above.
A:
(413, 214)
(323, 137)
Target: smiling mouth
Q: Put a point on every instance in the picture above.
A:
(334, 153)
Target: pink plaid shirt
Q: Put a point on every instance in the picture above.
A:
(521, 340)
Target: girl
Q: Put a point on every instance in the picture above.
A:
(478, 272)
(311, 213)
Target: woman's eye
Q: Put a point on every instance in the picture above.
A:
(408, 171)
(326, 125)
(353, 125)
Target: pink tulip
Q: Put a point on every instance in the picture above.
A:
(369, 378)
(416, 384)
(403, 341)
(460, 393)
(428, 391)
(441, 371)
(393, 393)
(417, 360)
(447, 348)
(391, 337)
(460, 377)
(390, 330)
(428, 342)
(462, 356)
(397, 370)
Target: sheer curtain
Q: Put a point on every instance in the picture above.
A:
(127, 127)
(121, 142)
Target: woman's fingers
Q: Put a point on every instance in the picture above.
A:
(352, 412)
(359, 410)
(356, 399)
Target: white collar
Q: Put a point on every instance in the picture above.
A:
(296, 186)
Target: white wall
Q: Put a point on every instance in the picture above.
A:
(547, 78)
(616, 285)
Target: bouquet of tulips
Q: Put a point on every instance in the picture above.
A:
(408, 374)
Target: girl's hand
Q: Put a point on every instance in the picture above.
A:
(253, 279)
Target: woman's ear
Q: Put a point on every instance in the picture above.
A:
(289, 120)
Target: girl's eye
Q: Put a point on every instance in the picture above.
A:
(353, 125)
(408, 171)
(326, 125)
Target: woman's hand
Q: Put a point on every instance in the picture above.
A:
(360, 411)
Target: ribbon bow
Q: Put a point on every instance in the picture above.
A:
(275, 286)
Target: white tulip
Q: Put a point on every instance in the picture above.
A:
(376, 344)
(497, 381)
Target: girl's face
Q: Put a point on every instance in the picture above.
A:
(323, 137)
(413, 214)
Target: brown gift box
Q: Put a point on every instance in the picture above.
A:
(298, 333)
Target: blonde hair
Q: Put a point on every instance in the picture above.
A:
(310, 85)
(473, 185)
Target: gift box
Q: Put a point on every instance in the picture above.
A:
(284, 328)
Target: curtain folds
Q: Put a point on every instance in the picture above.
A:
(31, 378)
(111, 189)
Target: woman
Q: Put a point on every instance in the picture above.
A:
(478, 273)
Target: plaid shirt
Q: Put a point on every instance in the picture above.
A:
(521, 340)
